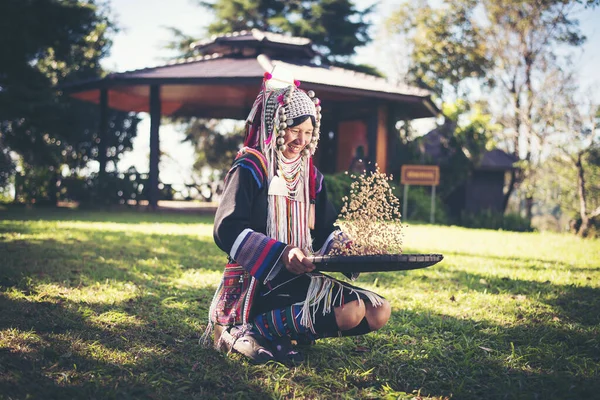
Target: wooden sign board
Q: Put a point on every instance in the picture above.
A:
(422, 175)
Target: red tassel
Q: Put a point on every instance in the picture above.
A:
(312, 180)
(251, 139)
(312, 193)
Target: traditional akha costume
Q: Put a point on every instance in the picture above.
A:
(268, 203)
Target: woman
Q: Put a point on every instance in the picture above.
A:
(274, 211)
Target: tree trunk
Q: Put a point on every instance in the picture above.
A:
(511, 188)
(585, 220)
(513, 174)
(529, 207)
(53, 189)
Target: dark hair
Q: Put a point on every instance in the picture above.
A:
(301, 119)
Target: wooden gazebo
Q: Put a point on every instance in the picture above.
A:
(223, 81)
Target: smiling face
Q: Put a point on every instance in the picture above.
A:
(297, 138)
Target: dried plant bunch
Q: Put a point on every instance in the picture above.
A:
(370, 217)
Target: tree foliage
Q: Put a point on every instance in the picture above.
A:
(579, 143)
(53, 42)
(502, 53)
(216, 144)
(213, 147)
(445, 47)
(464, 137)
(336, 27)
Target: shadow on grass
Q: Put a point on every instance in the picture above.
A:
(573, 303)
(91, 256)
(66, 355)
(143, 347)
(437, 355)
(529, 262)
(146, 346)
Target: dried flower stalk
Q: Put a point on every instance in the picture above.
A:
(370, 217)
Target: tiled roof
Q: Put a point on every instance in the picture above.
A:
(218, 67)
(188, 82)
(340, 77)
(497, 159)
(434, 142)
(213, 66)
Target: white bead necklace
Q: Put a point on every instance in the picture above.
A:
(291, 171)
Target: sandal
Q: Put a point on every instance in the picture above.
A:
(304, 340)
(284, 352)
(248, 343)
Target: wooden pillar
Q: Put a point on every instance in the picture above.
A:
(326, 155)
(393, 155)
(372, 139)
(103, 134)
(155, 113)
(382, 138)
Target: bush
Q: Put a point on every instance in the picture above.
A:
(419, 205)
(489, 219)
(338, 186)
(41, 186)
(36, 185)
(419, 199)
(117, 188)
(593, 230)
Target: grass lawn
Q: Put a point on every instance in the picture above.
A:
(111, 305)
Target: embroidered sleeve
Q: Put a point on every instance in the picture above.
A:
(257, 253)
(254, 162)
(233, 230)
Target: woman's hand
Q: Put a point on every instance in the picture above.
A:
(295, 261)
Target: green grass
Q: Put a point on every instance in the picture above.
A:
(111, 305)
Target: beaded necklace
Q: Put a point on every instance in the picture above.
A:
(292, 173)
(288, 213)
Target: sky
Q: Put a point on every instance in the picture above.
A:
(143, 36)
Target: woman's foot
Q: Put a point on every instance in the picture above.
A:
(304, 341)
(248, 343)
(284, 352)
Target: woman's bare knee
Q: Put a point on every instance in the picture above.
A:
(378, 316)
(349, 315)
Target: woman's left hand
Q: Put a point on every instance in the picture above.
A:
(295, 261)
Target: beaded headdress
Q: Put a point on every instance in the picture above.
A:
(291, 196)
(274, 110)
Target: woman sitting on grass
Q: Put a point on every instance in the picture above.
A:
(274, 211)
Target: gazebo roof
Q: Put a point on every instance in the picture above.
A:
(257, 41)
(225, 84)
(434, 142)
(497, 159)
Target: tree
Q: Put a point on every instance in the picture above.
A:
(336, 27)
(52, 42)
(579, 142)
(446, 49)
(522, 41)
(216, 144)
(508, 55)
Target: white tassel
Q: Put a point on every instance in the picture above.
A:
(254, 109)
(320, 290)
(374, 299)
